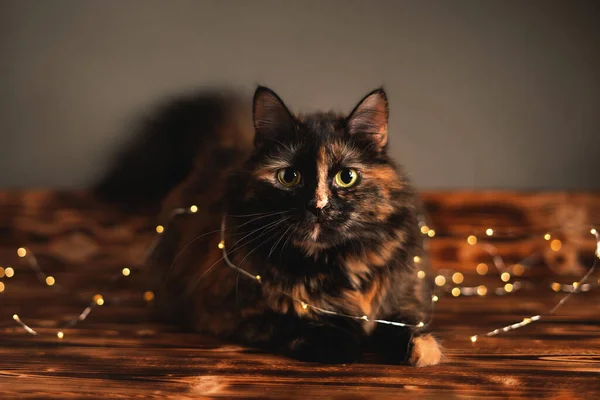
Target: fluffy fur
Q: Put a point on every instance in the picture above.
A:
(346, 249)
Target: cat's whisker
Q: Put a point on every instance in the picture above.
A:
(269, 225)
(278, 241)
(265, 241)
(261, 217)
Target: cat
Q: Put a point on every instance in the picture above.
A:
(310, 204)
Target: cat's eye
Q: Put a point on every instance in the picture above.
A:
(288, 177)
(346, 177)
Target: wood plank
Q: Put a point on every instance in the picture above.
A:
(120, 352)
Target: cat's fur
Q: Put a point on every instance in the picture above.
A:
(349, 250)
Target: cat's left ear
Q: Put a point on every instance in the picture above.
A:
(370, 118)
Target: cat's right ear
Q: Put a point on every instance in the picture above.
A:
(270, 115)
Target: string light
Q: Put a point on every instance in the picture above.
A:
(556, 287)
(440, 280)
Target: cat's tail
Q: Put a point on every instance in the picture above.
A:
(168, 145)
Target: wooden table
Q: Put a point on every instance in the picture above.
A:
(119, 352)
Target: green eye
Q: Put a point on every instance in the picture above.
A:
(346, 177)
(288, 177)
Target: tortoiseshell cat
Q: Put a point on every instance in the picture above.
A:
(316, 207)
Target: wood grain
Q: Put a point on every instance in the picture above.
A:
(119, 352)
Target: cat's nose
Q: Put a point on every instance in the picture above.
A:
(314, 208)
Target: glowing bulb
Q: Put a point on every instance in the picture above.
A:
(556, 286)
(126, 271)
(508, 287)
(193, 209)
(481, 290)
(435, 298)
(518, 269)
(472, 240)
(527, 321)
(21, 252)
(489, 231)
(365, 318)
(417, 259)
(420, 324)
(221, 245)
(440, 280)
(431, 233)
(421, 274)
(257, 277)
(424, 229)
(9, 272)
(474, 338)
(15, 317)
(593, 231)
(98, 299)
(505, 277)
(304, 305)
(547, 236)
(482, 269)
(148, 296)
(50, 280)
(2, 287)
(160, 229)
(457, 278)
(456, 292)
(555, 245)
(575, 285)
(60, 335)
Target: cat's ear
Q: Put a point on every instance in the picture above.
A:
(271, 117)
(370, 118)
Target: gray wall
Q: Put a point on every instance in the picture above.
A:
(484, 94)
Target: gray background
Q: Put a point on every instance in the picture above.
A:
(484, 94)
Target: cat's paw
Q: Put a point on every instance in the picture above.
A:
(425, 351)
(327, 346)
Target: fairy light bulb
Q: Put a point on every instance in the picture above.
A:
(304, 305)
(424, 229)
(60, 335)
(482, 269)
(193, 209)
(440, 280)
(160, 229)
(547, 236)
(421, 274)
(505, 276)
(50, 280)
(2, 287)
(508, 287)
(417, 259)
(9, 272)
(21, 252)
(556, 286)
(456, 292)
(457, 278)
(481, 290)
(431, 233)
(555, 245)
(435, 298)
(489, 231)
(221, 245)
(98, 299)
(473, 338)
(258, 278)
(126, 271)
(472, 240)
(518, 269)
(148, 296)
